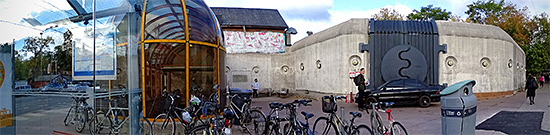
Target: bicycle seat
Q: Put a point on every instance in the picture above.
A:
(274, 105)
(307, 115)
(356, 114)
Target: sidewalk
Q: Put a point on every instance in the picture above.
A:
(515, 103)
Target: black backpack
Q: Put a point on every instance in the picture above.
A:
(357, 81)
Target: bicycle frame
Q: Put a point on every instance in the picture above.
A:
(274, 120)
(295, 122)
(377, 107)
(242, 110)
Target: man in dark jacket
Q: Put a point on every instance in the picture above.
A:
(531, 85)
(361, 86)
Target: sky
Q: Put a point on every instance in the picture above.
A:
(303, 15)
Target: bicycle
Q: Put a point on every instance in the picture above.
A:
(144, 123)
(110, 119)
(247, 116)
(218, 125)
(79, 114)
(188, 117)
(273, 123)
(395, 128)
(336, 122)
(295, 126)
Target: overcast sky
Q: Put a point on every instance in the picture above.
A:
(304, 15)
(317, 15)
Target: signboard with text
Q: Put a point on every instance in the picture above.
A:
(6, 86)
(105, 62)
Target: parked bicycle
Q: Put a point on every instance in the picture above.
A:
(247, 117)
(188, 117)
(273, 123)
(217, 125)
(79, 114)
(145, 125)
(395, 128)
(294, 125)
(334, 124)
(112, 120)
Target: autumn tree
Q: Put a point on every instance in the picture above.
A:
(430, 13)
(388, 14)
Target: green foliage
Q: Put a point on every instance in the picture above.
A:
(387, 14)
(429, 13)
(63, 54)
(479, 11)
(21, 68)
(537, 57)
(37, 46)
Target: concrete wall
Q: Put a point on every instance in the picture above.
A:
(468, 46)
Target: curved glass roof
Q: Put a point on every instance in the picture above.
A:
(166, 19)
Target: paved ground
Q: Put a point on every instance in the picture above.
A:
(416, 120)
(419, 120)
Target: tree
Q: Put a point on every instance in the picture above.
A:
(478, 11)
(429, 13)
(63, 54)
(507, 16)
(537, 57)
(541, 30)
(455, 18)
(387, 14)
(37, 46)
(21, 68)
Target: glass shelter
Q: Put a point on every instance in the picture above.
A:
(113, 53)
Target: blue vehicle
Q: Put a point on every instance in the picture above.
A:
(52, 87)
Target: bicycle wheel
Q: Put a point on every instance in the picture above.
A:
(201, 130)
(274, 129)
(164, 124)
(288, 130)
(256, 122)
(80, 119)
(91, 120)
(323, 126)
(362, 130)
(376, 123)
(145, 126)
(103, 123)
(70, 116)
(398, 129)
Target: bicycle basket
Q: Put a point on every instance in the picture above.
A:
(329, 104)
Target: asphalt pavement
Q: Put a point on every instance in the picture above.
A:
(416, 120)
(419, 120)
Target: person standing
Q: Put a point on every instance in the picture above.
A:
(361, 84)
(531, 85)
(255, 88)
(541, 81)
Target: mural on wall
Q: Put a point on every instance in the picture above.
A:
(259, 42)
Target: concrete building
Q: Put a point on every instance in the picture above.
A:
(322, 62)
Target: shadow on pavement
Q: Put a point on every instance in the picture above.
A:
(512, 122)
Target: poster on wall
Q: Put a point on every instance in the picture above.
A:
(83, 62)
(105, 50)
(6, 86)
(256, 42)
